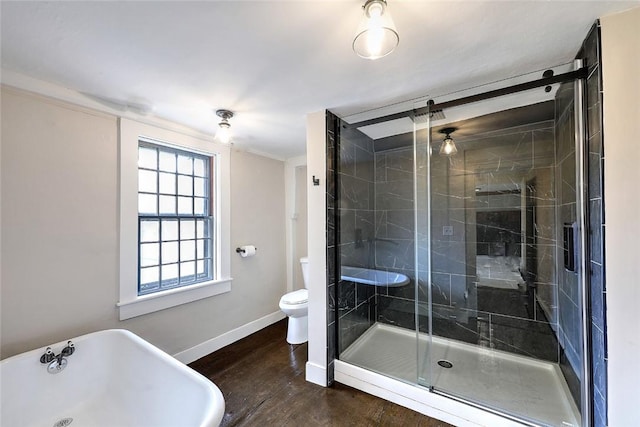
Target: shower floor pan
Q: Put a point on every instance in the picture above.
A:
(510, 383)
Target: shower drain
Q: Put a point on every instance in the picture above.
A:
(445, 364)
(63, 422)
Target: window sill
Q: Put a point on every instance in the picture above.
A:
(171, 298)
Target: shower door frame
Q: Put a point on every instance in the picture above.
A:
(578, 77)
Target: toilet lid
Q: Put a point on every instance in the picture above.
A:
(296, 297)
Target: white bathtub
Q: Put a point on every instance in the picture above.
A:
(114, 378)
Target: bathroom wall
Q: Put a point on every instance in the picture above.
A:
(621, 132)
(60, 235)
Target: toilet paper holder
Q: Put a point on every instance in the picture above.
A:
(241, 251)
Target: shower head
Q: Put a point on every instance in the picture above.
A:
(431, 115)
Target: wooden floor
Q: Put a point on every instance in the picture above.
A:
(262, 380)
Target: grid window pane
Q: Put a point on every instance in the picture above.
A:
(185, 165)
(173, 202)
(199, 187)
(169, 229)
(149, 230)
(149, 254)
(169, 275)
(200, 228)
(147, 181)
(187, 250)
(185, 185)
(167, 205)
(198, 206)
(149, 275)
(187, 270)
(187, 229)
(167, 183)
(199, 167)
(147, 204)
(167, 161)
(170, 252)
(185, 205)
(147, 158)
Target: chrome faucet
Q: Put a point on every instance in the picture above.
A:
(59, 362)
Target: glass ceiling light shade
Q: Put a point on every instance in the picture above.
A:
(376, 36)
(448, 147)
(224, 127)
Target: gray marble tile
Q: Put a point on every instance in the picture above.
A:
(394, 195)
(400, 224)
(397, 254)
(594, 110)
(364, 166)
(544, 148)
(347, 222)
(396, 311)
(346, 292)
(568, 180)
(597, 296)
(522, 336)
(354, 193)
(595, 230)
(380, 167)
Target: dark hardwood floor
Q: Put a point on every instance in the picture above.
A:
(262, 380)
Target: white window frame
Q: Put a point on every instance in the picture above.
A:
(130, 303)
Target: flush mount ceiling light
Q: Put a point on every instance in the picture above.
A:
(224, 127)
(376, 36)
(448, 147)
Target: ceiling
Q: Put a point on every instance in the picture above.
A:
(272, 62)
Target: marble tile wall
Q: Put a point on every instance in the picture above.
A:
(356, 303)
(332, 126)
(394, 236)
(500, 318)
(569, 311)
(590, 52)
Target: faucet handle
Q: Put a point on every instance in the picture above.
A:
(69, 349)
(48, 356)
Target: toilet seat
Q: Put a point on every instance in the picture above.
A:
(300, 296)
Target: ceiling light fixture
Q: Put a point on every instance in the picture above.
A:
(224, 127)
(448, 147)
(376, 36)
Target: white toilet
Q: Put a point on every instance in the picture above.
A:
(296, 305)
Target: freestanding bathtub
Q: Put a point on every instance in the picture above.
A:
(114, 378)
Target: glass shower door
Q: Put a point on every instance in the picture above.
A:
(498, 289)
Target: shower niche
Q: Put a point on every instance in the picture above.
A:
(476, 197)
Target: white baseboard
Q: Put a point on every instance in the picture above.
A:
(316, 374)
(196, 352)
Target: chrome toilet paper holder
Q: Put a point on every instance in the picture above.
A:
(241, 251)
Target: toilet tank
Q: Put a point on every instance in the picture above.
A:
(304, 263)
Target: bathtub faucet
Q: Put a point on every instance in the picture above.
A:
(50, 357)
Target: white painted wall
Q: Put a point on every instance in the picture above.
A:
(621, 83)
(300, 226)
(59, 175)
(296, 219)
(316, 371)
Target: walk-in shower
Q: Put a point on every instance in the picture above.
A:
(491, 235)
